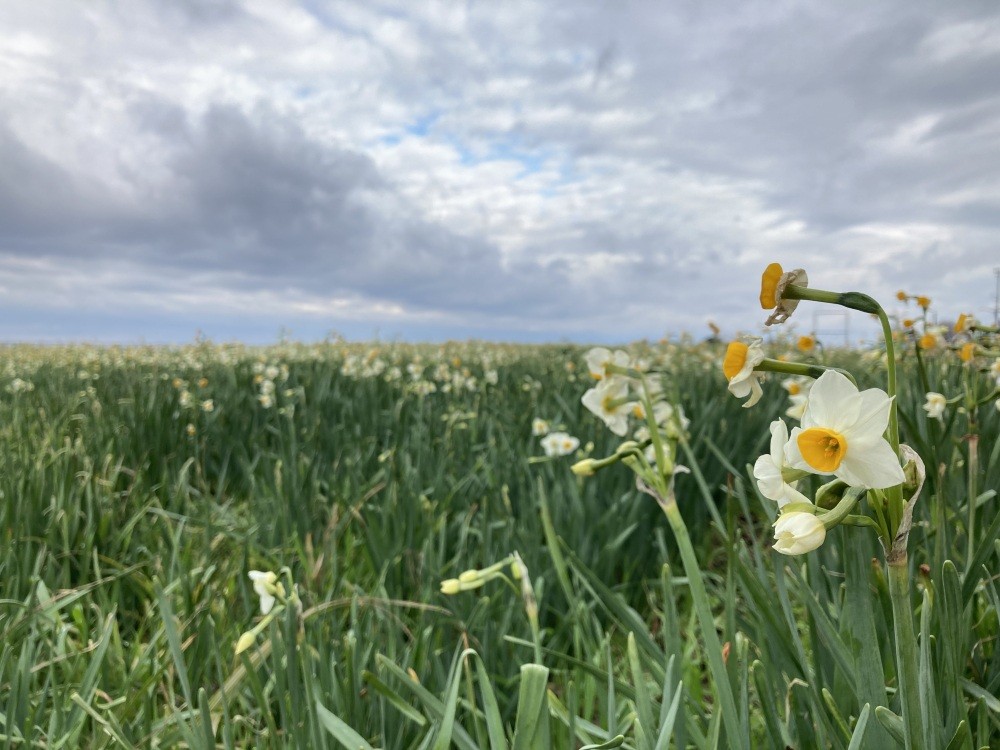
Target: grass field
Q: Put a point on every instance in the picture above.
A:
(141, 486)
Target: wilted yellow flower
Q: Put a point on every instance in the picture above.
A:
(769, 286)
(773, 283)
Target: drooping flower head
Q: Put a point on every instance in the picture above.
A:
(741, 357)
(842, 434)
(773, 283)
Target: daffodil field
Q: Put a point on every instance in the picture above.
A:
(686, 544)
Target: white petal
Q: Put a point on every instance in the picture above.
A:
(779, 436)
(834, 402)
(768, 477)
(266, 603)
(739, 388)
(873, 417)
(792, 495)
(755, 393)
(872, 465)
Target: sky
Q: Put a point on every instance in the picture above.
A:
(521, 171)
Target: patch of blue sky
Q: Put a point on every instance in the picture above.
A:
(419, 127)
(507, 148)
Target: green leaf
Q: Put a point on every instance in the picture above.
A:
(859, 729)
(346, 736)
(892, 722)
(531, 727)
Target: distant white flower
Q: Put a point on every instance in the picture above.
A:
(936, 403)
(798, 407)
(767, 470)
(492, 377)
(208, 405)
(599, 358)
(264, 584)
(842, 434)
(559, 444)
(798, 532)
(539, 426)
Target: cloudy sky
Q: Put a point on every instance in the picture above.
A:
(593, 171)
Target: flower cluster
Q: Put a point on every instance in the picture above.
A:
(845, 434)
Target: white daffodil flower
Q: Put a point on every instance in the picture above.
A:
(599, 358)
(264, 585)
(738, 366)
(798, 532)
(609, 400)
(539, 426)
(842, 434)
(557, 444)
(936, 403)
(767, 470)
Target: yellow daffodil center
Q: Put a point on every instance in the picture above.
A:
(823, 449)
(927, 341)
(794, 389)
(902, 296)
(736, 357)
(806, 343)
(967, 351)
(907, 323)
(769, 286)
(960, 323)
(924, 302)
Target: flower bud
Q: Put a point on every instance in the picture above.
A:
(451, 586)
(798, 532)
(584, 468)
(246, 641)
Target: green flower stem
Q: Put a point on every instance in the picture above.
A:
(906, 651)
(972, 441)
(713, 648)
(799, 368)
(898, 572)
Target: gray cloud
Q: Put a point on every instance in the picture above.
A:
(620, 169)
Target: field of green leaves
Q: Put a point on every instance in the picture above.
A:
(435, 574)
